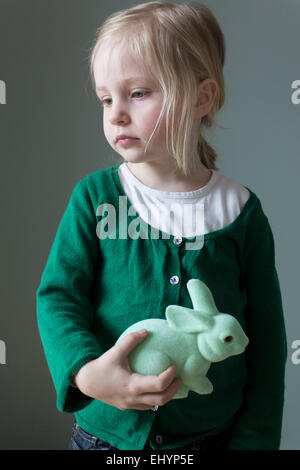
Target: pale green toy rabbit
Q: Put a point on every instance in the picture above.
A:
(190, 339)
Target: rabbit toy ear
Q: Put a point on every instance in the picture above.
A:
(187, 320)
(201, 297)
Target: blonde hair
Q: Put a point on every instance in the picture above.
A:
(181, 45)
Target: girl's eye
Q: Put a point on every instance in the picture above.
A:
(141, 93)
(104, 101)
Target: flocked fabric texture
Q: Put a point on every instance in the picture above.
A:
(190, 339)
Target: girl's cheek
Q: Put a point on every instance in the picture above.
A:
(108, 137)
(149, 120)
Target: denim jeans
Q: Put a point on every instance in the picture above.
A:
(81, 440)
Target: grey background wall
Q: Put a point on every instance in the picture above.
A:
(51, 136)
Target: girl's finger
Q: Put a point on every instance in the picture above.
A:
(128, 343)
(141, 384)
(160, 399)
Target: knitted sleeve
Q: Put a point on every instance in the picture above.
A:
(260, 418)
(64, 311)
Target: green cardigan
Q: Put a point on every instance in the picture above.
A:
(93, 288)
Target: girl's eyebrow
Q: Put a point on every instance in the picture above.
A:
(127, 80)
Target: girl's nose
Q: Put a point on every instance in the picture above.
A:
(118, 114)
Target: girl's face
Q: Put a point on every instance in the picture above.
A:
(132, 101)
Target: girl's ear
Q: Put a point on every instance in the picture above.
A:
(187, 320)
(206, 93)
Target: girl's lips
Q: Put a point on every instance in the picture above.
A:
(127, 140)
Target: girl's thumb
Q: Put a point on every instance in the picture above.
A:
(131, 340)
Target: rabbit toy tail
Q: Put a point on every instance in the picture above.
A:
(148, 362)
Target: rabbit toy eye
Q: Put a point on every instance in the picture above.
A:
(228, 339)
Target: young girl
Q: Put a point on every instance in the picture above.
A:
(116, 259)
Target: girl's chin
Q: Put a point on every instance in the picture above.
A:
(134, 159)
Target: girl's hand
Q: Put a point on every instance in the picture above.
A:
(110, 379)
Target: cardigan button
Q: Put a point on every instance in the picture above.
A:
(174, 280)
(177, 240)
(158, 439)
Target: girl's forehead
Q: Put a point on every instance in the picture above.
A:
(114, 49)
(115, 55)
(110, 51)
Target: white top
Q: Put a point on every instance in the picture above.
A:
(210, 208)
